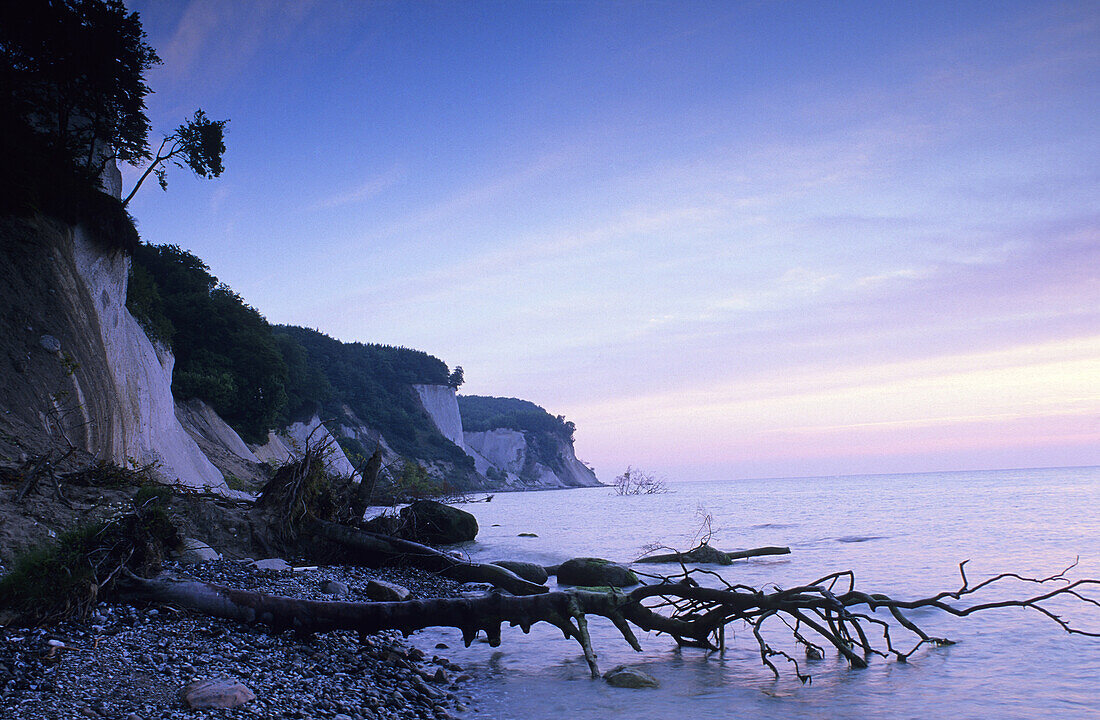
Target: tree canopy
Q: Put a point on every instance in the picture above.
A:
(72, 80)
(74, 70)
(481, 413)
(198, 144)
(374, 382)
(226, 352)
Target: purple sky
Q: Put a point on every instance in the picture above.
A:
(726, 239)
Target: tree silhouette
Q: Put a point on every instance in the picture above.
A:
(72, 73)
(198, 144)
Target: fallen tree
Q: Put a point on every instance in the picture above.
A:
(373, 549)
(827, 612)
(704, 553)
(303, 511)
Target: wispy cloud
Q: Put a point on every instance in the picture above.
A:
(366, 190)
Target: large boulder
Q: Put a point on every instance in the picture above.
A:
(431, 522)
(194, 551)
(528, 571)
(595, 572)
(383, 591)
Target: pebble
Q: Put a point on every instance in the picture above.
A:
(131, 663)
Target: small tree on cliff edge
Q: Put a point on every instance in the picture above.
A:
(198, 144)
(73, 72)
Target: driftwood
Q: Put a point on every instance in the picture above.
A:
(828, 612)
(705, 554)
(374, 550)
(368, 478)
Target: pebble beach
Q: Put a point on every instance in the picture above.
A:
(137, 663)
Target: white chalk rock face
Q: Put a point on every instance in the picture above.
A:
(573, 472)
(440, 403)
(354, 428)
(198, 417)
(505, 449)
(276, 450)
(289, 445)
(144, 426)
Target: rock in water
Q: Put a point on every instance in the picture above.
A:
(528, 571)
(220, 692)
(628, 677)
(595, 572)
(427, 521)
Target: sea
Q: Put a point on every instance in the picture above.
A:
(902, 535)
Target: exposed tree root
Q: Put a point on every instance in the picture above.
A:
(828, 611)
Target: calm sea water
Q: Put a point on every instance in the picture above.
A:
(902, 534)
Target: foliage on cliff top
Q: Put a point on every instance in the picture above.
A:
(258, 377)
(481, 413)
(226, 352)
(72, 83)
(374, 381)
(74, 70)
(35, 178)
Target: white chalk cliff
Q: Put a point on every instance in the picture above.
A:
(509, 453)
(76, 369)
(440, 403)
(144, 420)
(289, 445)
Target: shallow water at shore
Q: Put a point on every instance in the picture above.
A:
(902, 534)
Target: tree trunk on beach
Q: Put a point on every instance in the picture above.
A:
(827, 612)
(374, 550)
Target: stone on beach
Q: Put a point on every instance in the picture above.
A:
(335, 588)
(195, 551)
(528, 571)
(216, 693)
(383, 591)
(277, 564)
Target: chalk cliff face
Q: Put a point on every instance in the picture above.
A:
(77, 370)
(141, 376)
(509, 457)
(442, 407)
(288, 445)
(220, 443)
(81, 371)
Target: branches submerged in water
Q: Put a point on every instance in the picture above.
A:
(829, 611)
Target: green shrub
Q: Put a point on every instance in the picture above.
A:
(54, 581)
(144, 302)
(65, 578)
(150, 495)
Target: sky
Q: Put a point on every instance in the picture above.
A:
(731, 239)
